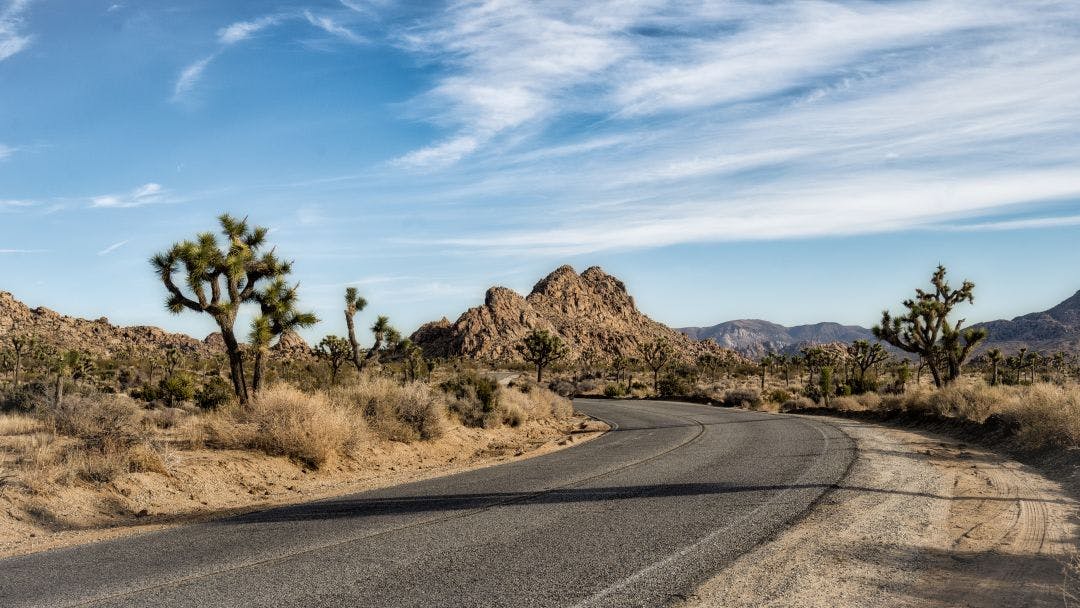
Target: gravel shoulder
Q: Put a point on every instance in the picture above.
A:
(921, 520)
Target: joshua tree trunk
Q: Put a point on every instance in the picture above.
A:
(236, 360)
(539, 373)
(58, 391)
(18, 361)
(656, 381)
(358, 362)
(260, 369)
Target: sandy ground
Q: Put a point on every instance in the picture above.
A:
(922, 520)
(207, 484)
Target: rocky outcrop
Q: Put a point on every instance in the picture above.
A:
(1056, 329)
(592, 312)
(101, 339)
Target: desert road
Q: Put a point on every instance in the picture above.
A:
(637, 517)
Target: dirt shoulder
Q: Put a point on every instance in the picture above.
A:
(208, 484)
(921, 520)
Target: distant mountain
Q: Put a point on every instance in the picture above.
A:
(592, 312)
(1048, 331)
(755, 337)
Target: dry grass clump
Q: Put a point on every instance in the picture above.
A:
(742, 397)
(1044, 415)
(307, 427)
(532, 402)
(394, 411)
(19, 424)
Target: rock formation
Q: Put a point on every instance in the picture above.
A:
(592, 313)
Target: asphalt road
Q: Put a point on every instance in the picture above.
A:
(637, 517)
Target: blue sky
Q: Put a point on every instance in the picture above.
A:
(797, 161)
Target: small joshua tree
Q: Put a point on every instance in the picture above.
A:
(219, 280)
(277, 315)
(865, 356)
(994, 356)
(925, 329)
(354, 304)
(656, 355)
(21, 345)
(542, 348)
(335, 351)
(382, 331)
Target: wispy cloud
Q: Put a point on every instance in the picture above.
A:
(6, 151)
(1015, 224)
(146, 194)
(330, 26)
(113, 247)
(12, 37)
(20, 251)
(189, 77)
(242, 30)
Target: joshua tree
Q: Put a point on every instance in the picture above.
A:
(656, 355)
(277, 315)
(865, 356)
(542, 348)
(925, 330)
(21, 345)
(825, 383)
(619, 364)
(335, 351)
(994, 357)
(172, 360)
(354, 304)
(220, 280)
(763, 367)
(1021, 360)
(1034, 360)
(413, 359)
(382, 331)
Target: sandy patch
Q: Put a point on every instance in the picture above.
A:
(922, 520)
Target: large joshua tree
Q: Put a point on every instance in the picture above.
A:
(217, 280)
(354, 304)
(542, 348)
(925, 329)
(277, 315)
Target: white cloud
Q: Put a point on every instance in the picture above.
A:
(113, 247)
(18, 251)
(330, 26)
(242, 30)
(6, 151)
(190, 76)
(146, 194)
(12, 38)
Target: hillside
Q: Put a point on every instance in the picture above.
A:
(1050, 330)
(100, 338)
(592, 313)
(755, 337)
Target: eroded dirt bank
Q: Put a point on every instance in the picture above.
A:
(205, 484)
(922, 520)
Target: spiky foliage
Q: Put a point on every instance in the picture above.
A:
(542, 348)
(354, 304)
(412, 357)
(218, 280)
(383, 333)
(864, 356)
(335, 351)
(656, 355)
(925, 329)
(277, 315)
(995, 357)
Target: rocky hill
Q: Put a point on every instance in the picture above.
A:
(591, 312)
(1056, 329)
(755, 337)
(100, 338)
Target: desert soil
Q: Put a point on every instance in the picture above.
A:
(921, 520)
(208, 484)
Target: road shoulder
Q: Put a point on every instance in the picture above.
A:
(921, 519)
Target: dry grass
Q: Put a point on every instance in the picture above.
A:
(393, 411)
(19, 424)
(533, 402)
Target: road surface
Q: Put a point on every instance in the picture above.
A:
(637, 517)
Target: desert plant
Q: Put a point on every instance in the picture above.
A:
(825, 383)
(306, 427)
(994, 356)
(214, 394)
(741, 397)
(925, 329)
(864, 356)
(177, 388)
(354, 303)
(656, 355)
(335, 350)
(383, 333)
(233, 273)
(542, 348)
(277, 315)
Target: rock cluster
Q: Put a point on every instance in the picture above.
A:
(592, 313)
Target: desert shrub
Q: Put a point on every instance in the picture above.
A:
(143, 458)
(846, 403)
(306, 427)
(19, 424)
(563, 388)
(512, 415)
(674, 386)
(26, 398)
(147, 392)
(216, 393)
(741, 397)
(164, 418)
(474, 398)
(107, 423)
(586, 386)
(796, 403)
(638, 385)
(869, 401)
(779, 395)
(177, 388)
(538, 404)
(614, 390)
(394, 411)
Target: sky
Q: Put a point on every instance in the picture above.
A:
(797, 161)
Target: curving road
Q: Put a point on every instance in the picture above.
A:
(637, 517)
